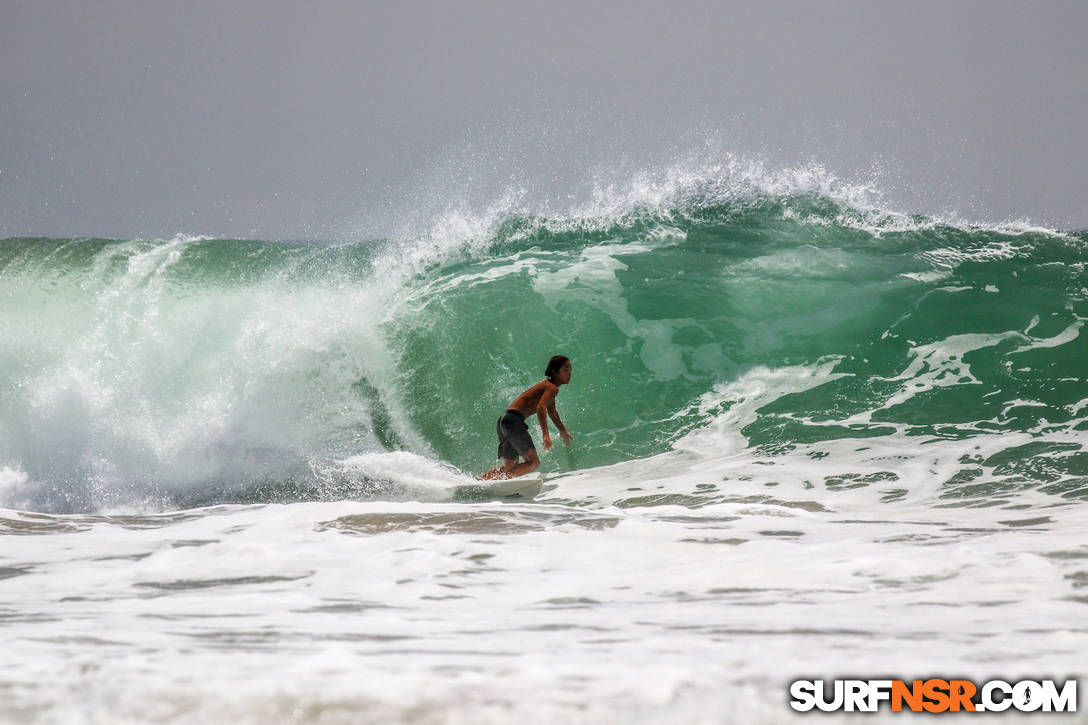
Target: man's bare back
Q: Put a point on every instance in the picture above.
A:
(527, 402)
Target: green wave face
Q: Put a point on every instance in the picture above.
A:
(196, 370)
(658, 312)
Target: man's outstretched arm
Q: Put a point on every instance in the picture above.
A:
(543, 408)
(563, 434)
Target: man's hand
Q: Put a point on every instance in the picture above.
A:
(547, 442)
(566, 438)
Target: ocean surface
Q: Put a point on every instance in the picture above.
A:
(814, 438)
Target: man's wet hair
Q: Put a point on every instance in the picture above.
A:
(554, 364)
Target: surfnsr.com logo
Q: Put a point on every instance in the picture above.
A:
(933, 695)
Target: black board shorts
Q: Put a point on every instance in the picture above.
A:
(514, 438)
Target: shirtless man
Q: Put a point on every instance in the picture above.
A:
(514, 438)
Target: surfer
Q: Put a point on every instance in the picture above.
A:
(514, 439)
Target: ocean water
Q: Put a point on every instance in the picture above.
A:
(814, 438)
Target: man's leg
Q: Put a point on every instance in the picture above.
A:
(499, 471)
(513, 469)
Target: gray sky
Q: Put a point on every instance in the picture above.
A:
(275, 119)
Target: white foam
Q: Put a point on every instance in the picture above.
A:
(732, 405)
(13, 485)
(487, 612)
(1069, 334)
(412, 474)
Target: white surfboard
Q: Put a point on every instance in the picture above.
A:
(521, 487)
(525, 486)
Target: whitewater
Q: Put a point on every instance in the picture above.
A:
(815, 437)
